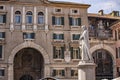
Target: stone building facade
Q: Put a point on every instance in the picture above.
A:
(40, 38)
(36, 39)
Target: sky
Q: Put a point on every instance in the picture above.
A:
(107, 5)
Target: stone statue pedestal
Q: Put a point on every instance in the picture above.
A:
(86, 70)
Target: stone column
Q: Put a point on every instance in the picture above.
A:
(10, 72)
(11, 23)
(86, 71)
(46, 19)
(35, 20)
(23, 19)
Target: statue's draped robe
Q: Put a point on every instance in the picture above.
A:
(84, 42)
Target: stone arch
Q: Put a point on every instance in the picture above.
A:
(105, 47)
(111, 52)
(19, 47)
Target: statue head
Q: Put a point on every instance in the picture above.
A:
(84, 27)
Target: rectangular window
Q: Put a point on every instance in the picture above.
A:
(2, 72)
(29, 19)
(2, 35)
(1, 7)
(17, 19)
(57, 20)
(74, 21)
(29, 35)
(58, 36)
(2, 18)
(75, 53)
(75, 36)
(74, 73)
(58, 52)
(40, 19)
(58, 73)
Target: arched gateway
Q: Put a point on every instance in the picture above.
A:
(27, 62)
(105, 60)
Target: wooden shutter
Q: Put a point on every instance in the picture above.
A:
(62, 20)
(116, 52)
(71, 49)
(4, 18)
(3, 34)
(54, 73)
(0, 51)
(53, 20)
(54, 52)
(62, 55)
(54, 36)
(62, 36)
(79, 21)
(70, 21)
(33, 35)
(63, 72)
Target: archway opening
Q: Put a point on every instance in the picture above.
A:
(28, 65)
(104, 62)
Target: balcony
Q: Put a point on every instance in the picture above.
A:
(100, 34)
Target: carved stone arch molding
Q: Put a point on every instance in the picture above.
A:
(105, 47)
(19, 47)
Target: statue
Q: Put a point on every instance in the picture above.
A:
(84, 45)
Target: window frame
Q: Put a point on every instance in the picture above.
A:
(3, 18)
(72, 11)
(2, 52)
(3, 75)
(28, 35)
(75, 53)
(29, 17)
(75, 34)
(60, 72)
(73, 74)
(19, 17)
(58, 52)
(58, 36)
(41, 17)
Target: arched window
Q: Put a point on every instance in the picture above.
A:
(29, 17)
(40, 18)
(17, 17)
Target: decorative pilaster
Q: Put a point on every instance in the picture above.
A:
(23, 19)
(35, 21)
(46, 19)
(11, 23)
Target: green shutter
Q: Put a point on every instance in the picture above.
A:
(70, 21)
(71, 49)
(79, 21)
(73, 36)
(54, 36)
(3, 34)
(0, 51)
(63, 72)
(54, 73)
(53, 20)
(62, 20)
(62, 55)
(54, 50)
(79, 56)
(32, 35)
(4, 18)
